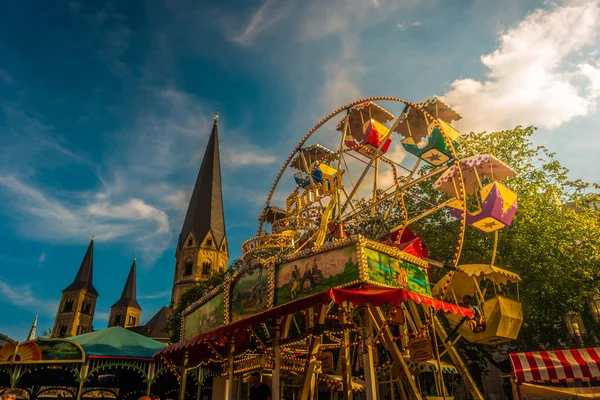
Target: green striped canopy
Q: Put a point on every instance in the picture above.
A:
(117, 342)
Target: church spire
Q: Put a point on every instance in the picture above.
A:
(128, 296)
(32, 331)
(126, 312)
(202, 245)
(205, 210)
(83, 280)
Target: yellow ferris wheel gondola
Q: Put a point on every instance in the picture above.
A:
(502, 316)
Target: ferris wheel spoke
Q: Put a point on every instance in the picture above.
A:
(422, 215)
(371, 161)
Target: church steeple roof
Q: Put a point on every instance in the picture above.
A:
(128, 297)
(205, 210)
(32, 331)
(83, 280)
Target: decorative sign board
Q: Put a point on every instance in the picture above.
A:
(420, 349)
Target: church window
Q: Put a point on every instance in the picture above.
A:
(68, 306)
(190, 242)
(86, 307)
(209, 241)
(189, 265)
(117, 319)
(205, 268)
(131, 320)
(62, 331)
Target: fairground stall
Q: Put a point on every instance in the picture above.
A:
(559, 374)
(111, 363)
(335, 297)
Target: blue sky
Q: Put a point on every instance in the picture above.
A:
(105, 110)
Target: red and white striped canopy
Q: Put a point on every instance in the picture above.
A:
(557, 365)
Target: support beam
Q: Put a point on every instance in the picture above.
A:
(345, 359)
(151, 372)
(275, 387)
(314, 341)
(458, 362)
(408, 381)
(183, 376)
(366, 326)
(82, 379)
(229, 382)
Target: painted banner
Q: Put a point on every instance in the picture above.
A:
(249, 295)
(206, 317)
(41, 351)
(307, 276)
(390, 271)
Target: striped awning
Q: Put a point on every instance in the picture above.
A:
(557, 365)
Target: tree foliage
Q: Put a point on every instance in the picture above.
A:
(553, 242)
(194, 294)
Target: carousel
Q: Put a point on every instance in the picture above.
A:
(335, 299)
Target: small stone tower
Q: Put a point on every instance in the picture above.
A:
(202, 246)
(78, 303)
(126, 312)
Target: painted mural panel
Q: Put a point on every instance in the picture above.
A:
(208, 316)
(389, 271)
(250, 294)
(41, 350)
(307, 276)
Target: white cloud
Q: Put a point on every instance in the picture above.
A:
(245, 155)
(158, 295)
(267, 15)
(42, 257)
(416, 23)
(538, 75)
(22, 296)
(59, 219)
(101, 316)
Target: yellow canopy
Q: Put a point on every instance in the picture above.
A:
(484, 165)
(413, 122)
(312, 153)
(360, 114)
(463, 283)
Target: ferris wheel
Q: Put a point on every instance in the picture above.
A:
(361, 171)
(358, 172)
(338, 249)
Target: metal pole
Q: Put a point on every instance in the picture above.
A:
(345, 359)
(436, 352)
(183, 376)
(368, 364)
(229, 383)
(275, 390)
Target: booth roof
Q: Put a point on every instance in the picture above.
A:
(557, 365)
(198, 350)
(117, 342)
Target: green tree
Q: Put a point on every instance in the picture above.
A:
(194, 294)
(553, 242)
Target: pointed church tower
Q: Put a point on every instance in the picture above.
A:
(78, 304)
(202, 246)
(126, 312)
(32, 331)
